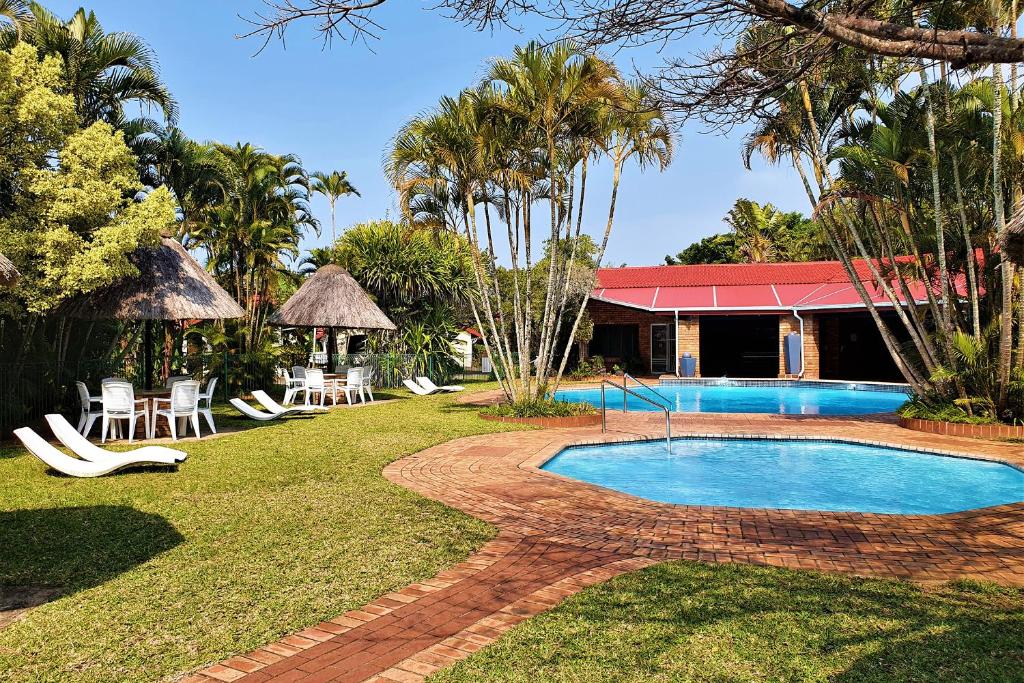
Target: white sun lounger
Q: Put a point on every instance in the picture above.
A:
(417, 389)
(430, 386)
(74, 467)
(253, 414)
(272, 406)
(86, 450)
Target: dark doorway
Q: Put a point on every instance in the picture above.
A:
(616, 343)
(852, 348)
(739, 346)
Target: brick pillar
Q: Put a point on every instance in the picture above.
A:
(812, 346)
(688, 338)
(789, 323)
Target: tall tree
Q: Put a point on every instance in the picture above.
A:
(334, 186)
(104, 71)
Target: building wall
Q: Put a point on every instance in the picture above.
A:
(688, 334)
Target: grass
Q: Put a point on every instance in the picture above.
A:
(685, 621)
(259, 534)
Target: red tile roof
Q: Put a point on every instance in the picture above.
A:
(812, 272)
(746, 286)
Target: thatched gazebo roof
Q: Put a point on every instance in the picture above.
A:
(1012, 241)
(331, 298)
(8, 273)
(170, 285)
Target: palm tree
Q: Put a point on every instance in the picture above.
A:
(16, 13)
(104, 71)
(257, 218)
(755, 227)
(334, 186)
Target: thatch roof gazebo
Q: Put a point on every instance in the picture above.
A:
(331, 298)
(1012, 240)
(8, 273)
(170, 285)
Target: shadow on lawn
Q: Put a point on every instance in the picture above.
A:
(841, 628)
(79, 547)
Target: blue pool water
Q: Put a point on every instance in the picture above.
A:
(793, 474)
(785, 400)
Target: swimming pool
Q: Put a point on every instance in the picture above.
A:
(793, 398)
(793, 474)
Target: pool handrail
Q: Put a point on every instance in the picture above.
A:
(626, 375)
(627, 390)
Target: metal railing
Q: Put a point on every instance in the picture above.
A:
(626, 390)
(626, 375)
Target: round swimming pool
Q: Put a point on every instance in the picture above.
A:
(793, 398)
(793, 474)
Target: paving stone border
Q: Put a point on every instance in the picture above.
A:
(972, 431)
(559, 535)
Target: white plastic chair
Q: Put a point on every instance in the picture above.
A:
(174, 379)
(39, 447)
(367, 383)
(87, 418)
(87, 450)
(316, 384)
(206, 403)
(295, 384)
(183, 403)
(352, 385)
(119, 403)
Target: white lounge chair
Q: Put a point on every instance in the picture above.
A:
(430, 386)
(253, 414)
(272, 406)
(183, 403)
(417, 389)
(74, 467)
(86, 450)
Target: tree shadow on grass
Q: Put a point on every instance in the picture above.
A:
(79, 547)
(790, 625)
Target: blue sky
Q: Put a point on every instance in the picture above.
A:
(338, 107)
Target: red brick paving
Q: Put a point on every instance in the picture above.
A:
(558, 536)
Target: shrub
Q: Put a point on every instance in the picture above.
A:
(944, 412)
(540, 408)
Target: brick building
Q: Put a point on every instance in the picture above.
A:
(735, 318)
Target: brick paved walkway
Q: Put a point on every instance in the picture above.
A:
(558, 536)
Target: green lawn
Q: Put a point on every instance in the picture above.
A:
(260, 533)
(685, 621)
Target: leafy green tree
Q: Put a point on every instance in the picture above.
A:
(712, 249)
(103, 71)
(69, 225)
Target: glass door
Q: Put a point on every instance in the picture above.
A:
(663, 349)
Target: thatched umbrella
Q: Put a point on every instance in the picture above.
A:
(331, 298)
(170, 285)
(1012, 241)
(8, 273)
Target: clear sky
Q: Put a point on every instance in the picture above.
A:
(337, 107)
